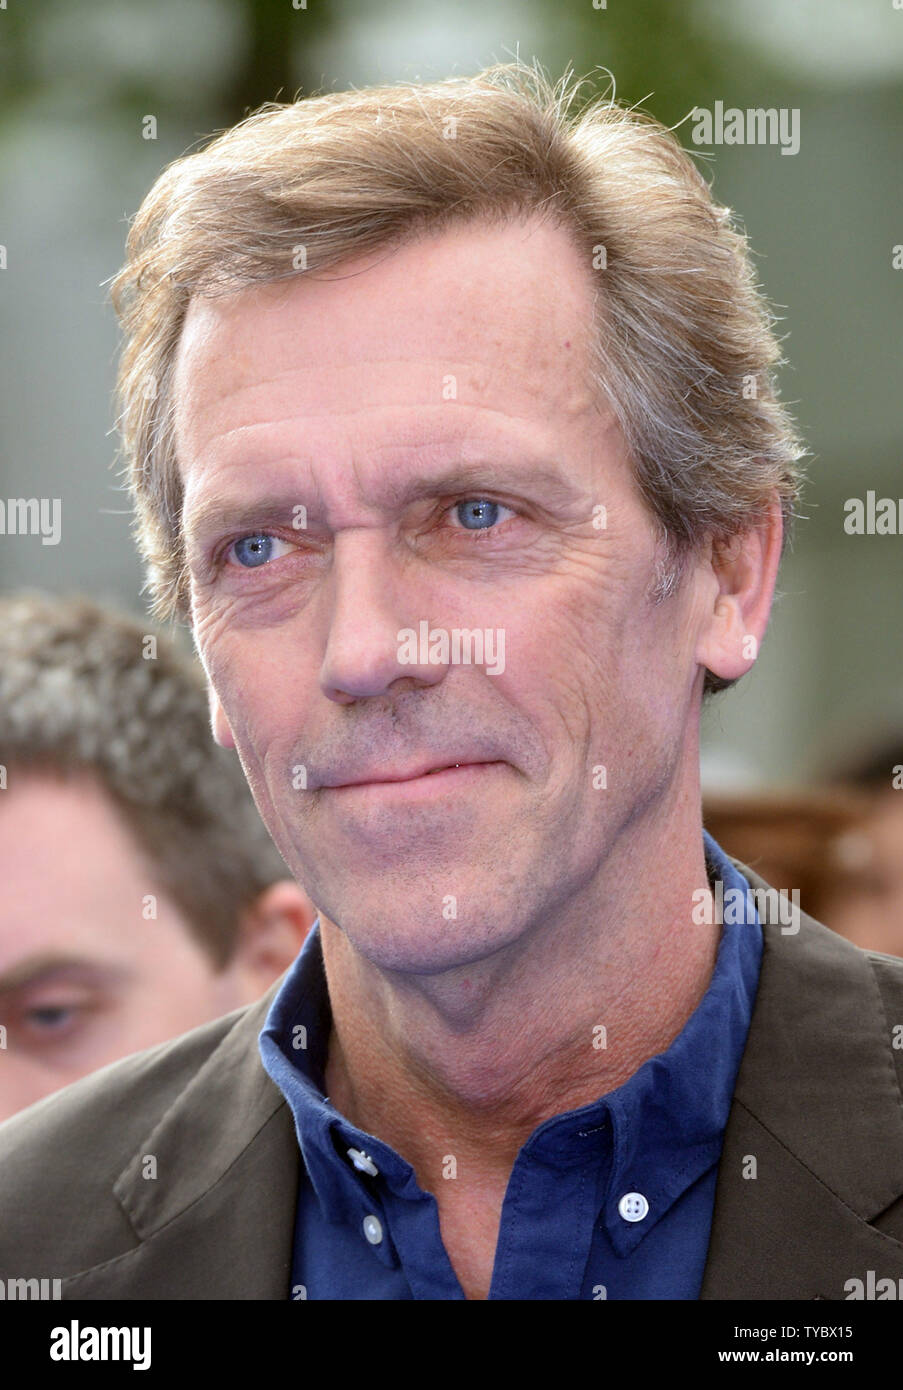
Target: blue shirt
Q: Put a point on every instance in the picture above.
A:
(613, 1200)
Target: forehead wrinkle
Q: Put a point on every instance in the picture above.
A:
(449, 410)
(223, 341)
(387, 383)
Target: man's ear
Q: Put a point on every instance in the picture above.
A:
(218, 721)
(271, 933)
(745, 569)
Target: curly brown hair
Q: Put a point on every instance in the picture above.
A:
(84, 689)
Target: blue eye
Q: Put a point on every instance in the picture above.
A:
(478, 514)
(51, 1016)
(252, 551)
(258, 549)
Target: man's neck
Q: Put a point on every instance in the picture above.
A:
(468, 1063)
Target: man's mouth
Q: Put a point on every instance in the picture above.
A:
(382, 778)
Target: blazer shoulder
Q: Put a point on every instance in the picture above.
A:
(61, 1156)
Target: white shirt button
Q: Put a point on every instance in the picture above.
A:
(363, 1162)
(373, 1229)
(633, 1206)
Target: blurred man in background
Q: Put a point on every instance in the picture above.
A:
(141, 893)
(840, 843)
(802, 836)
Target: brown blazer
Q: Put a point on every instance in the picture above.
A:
(818, 1104)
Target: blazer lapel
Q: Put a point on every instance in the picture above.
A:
(211, 1192)
(813, 1151)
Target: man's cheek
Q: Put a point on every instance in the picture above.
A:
(225, 653)
(268, 719)
(243, 702)
(214, 640)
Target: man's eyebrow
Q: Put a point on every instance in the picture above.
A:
(47, 963)
(535, 478)
(218, 514)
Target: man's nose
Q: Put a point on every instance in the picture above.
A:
(373, 599)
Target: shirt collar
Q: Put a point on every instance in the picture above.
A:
(663, 1128)
(669, 1118)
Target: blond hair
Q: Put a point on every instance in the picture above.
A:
(685, 350)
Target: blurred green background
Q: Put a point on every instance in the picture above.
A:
(78, 80)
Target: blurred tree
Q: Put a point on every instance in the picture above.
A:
(272, 64)
(661, 54)
(54, 58)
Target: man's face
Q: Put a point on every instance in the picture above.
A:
(85, 976)
(412, 440)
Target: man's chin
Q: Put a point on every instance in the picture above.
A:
(420, 945)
